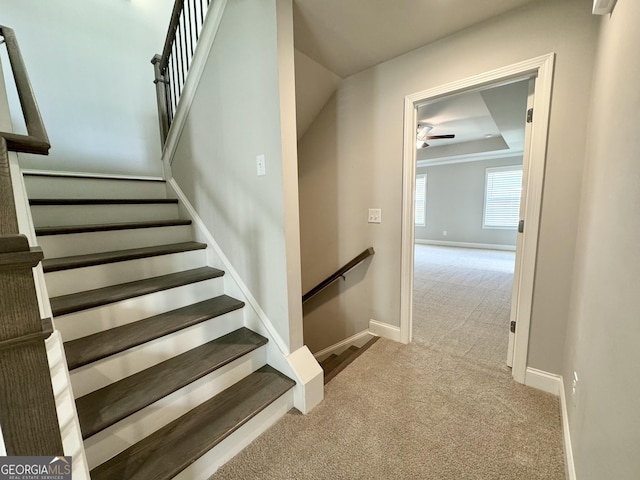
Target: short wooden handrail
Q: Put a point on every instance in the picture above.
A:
(338, 273)
(28, 413)
(36, 140)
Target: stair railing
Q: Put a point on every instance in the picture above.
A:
(340, 273)
(28, 411)
(172, 66)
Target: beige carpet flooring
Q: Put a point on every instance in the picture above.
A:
(462, 302)
(444, 407)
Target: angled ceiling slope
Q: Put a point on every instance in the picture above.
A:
(348, 36)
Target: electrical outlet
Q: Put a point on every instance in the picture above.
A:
(444, 233)
(261, 165)
(375, 215)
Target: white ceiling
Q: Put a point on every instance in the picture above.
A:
(485, 123)
(348, 36)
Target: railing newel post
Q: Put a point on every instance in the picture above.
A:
(172, 66)
(161, 97)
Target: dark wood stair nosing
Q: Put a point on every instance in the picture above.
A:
(39, 202)
(85, 350)
(106, 227)
(108, 405)
(174, 447)
(74, 302)
(128, 396)
(103, 258)
(93, 177)
(346, 360)
(327, 360)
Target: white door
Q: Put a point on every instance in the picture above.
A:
(526, 156)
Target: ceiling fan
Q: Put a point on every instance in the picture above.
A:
(423, 135)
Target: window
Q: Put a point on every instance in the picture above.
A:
(421, 200)
(502, 197)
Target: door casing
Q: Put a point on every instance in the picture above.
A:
(540, 68)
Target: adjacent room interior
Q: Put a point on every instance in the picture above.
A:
(469, 151)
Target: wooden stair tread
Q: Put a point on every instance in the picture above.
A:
(110, 404)
(109, 342)
(345, 359)
(327, 360)
(74, 302)
(339, 359)
(105, 227)
(171, 449)
(100, 201)
(88, 260)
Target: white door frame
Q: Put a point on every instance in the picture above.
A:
(542, 69)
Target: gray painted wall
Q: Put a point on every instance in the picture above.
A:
(350, 160)
(604, 322)
(89, 65)
(237, 114)
(455, 203)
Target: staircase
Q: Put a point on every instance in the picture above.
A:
(333, 364)
(162, 367)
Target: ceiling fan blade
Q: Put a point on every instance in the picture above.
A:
(437, 137)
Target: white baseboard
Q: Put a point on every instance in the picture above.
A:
(554, 384)
(228, 267)
(3, 449)
(570, 468)
(385, 330)
(486, 246)
(545, 381)
(300, 365)
(359, 339)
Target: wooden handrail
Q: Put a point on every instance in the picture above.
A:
(36, 140)
(170, 39)
(338, 273)
(171, 67)
(28, 415)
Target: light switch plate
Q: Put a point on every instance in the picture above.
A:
(261, 165)
(375, 215)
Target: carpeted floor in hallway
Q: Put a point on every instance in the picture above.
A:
(444, 407)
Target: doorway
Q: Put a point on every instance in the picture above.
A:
(534, 153)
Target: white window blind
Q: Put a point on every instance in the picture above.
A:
(421, 199)
(502, 197)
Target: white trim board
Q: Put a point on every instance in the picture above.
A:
(485, 246)
(359, 339)
(554, 384)
(300, 364)
(540, 68)
(540, 380)
(474, 157)
(3, 449)
(570, 467)
(228, 268)
(199, 61)
(384, 330)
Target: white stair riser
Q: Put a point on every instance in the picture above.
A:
(80, 187)
(75, 280)
(99, 374)
(93, 320)
(60, 215)
(210, 462)
(111, 441)
(94, 242)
